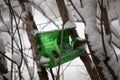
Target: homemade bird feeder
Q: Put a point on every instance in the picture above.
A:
(48, 46)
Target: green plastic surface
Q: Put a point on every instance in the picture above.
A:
(48, 45)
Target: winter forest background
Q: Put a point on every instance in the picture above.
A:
(97, 21)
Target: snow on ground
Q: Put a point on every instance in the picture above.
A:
(75, 71)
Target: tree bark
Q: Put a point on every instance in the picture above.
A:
(30, 25)
(104, 18)
(95, 60)
(85, 58)
(3, 65)
(3, 68)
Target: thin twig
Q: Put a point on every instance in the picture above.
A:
(42, 11)
(77, 11)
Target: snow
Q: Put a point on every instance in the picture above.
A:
(24, 14)
(78, 38)
(31, 69)
(115, 32)
(80, 29)
(5, 27)
(4, 36)
(69, 24)
(86, 2)
(49, 8)
(113, 10)
(16, 58)
(95, 38)
(89, 14)
(75, 71)
(116, 40)
(44, 59)
(2, 2)
(106, 72)
(115, 27)
(115, 65)
(118, 9)
(93, 65)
